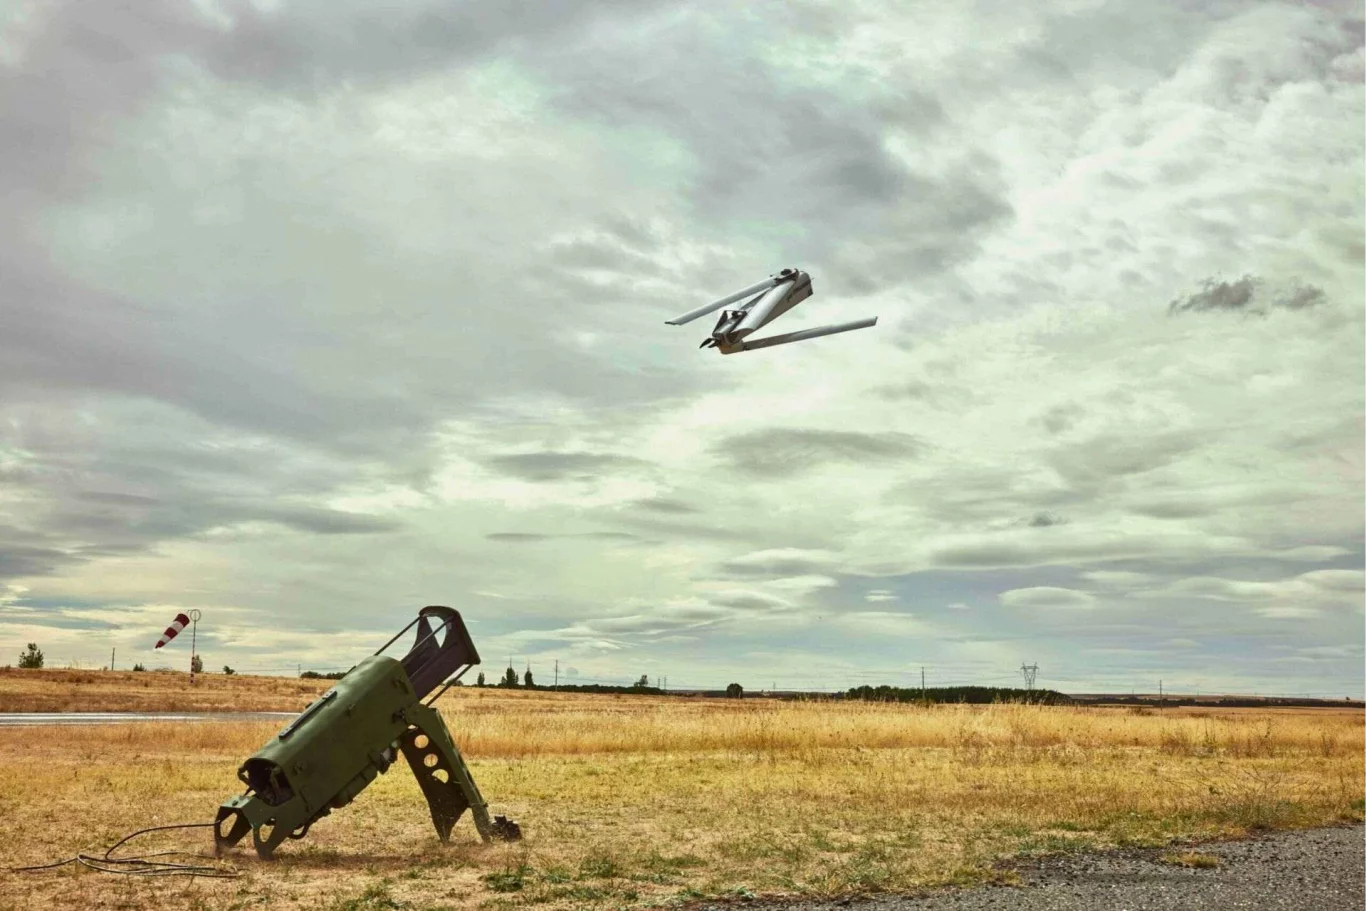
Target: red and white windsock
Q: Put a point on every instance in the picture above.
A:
(181, 621)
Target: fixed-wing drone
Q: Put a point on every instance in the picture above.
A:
(768, 300)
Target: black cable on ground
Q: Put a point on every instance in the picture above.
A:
(142, 865)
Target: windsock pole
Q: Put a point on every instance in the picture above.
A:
(194, 630)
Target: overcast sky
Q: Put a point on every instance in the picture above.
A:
(313, 312)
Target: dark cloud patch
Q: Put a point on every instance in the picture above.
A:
(1060, 418)
(563, 466)
(18, 560)
(782, 452)
(985, 555)
(750, 601)
(118, 499)
(523, 537)
(1174, 509)
(1246, 295)
(775, 565)
(914, 389)
(1218, 295)
(665, 506)
(1302, 298)
(324, 521)
(518, 537)
(1041, 551)
(1044, 520)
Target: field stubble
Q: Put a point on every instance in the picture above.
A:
(633, 800)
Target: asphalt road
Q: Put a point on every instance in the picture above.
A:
(25, 719)
(1313, 870)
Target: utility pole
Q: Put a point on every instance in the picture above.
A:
(557, 673)
(111, 659)
(1030, 671)
(1161, 697)
(922, 683)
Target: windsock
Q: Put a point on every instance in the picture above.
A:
(181, 621)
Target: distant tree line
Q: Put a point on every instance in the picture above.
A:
(975, 695)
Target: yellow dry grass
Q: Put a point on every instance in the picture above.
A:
(640, 801)
(151, 691)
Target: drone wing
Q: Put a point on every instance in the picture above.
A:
(756, 288)
(798, 336)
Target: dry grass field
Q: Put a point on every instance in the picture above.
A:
(151, 691)
(633, 801)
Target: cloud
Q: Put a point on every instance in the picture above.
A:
(1336, 580)
(1117, 578)
(1214, 295)
(783, 452)
(786, 561)
(1287, 612)
(1047, 596)
(750, 601)
(887, 623)
(665, 505)
(517, 537)
(1241, 296)
(523, 537)
(18, 561)
(562, 466)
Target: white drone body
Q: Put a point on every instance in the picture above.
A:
(767, 300)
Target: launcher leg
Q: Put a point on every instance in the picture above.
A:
(445, 779)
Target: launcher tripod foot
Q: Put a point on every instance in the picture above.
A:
(445, 780)
(505, 829)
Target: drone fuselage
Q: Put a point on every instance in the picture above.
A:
(767, 301)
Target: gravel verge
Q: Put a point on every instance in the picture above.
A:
(1309, 870)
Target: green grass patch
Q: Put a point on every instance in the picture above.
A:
(512, 879)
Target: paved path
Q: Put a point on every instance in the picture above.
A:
(25, 719)
(1313, 870)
